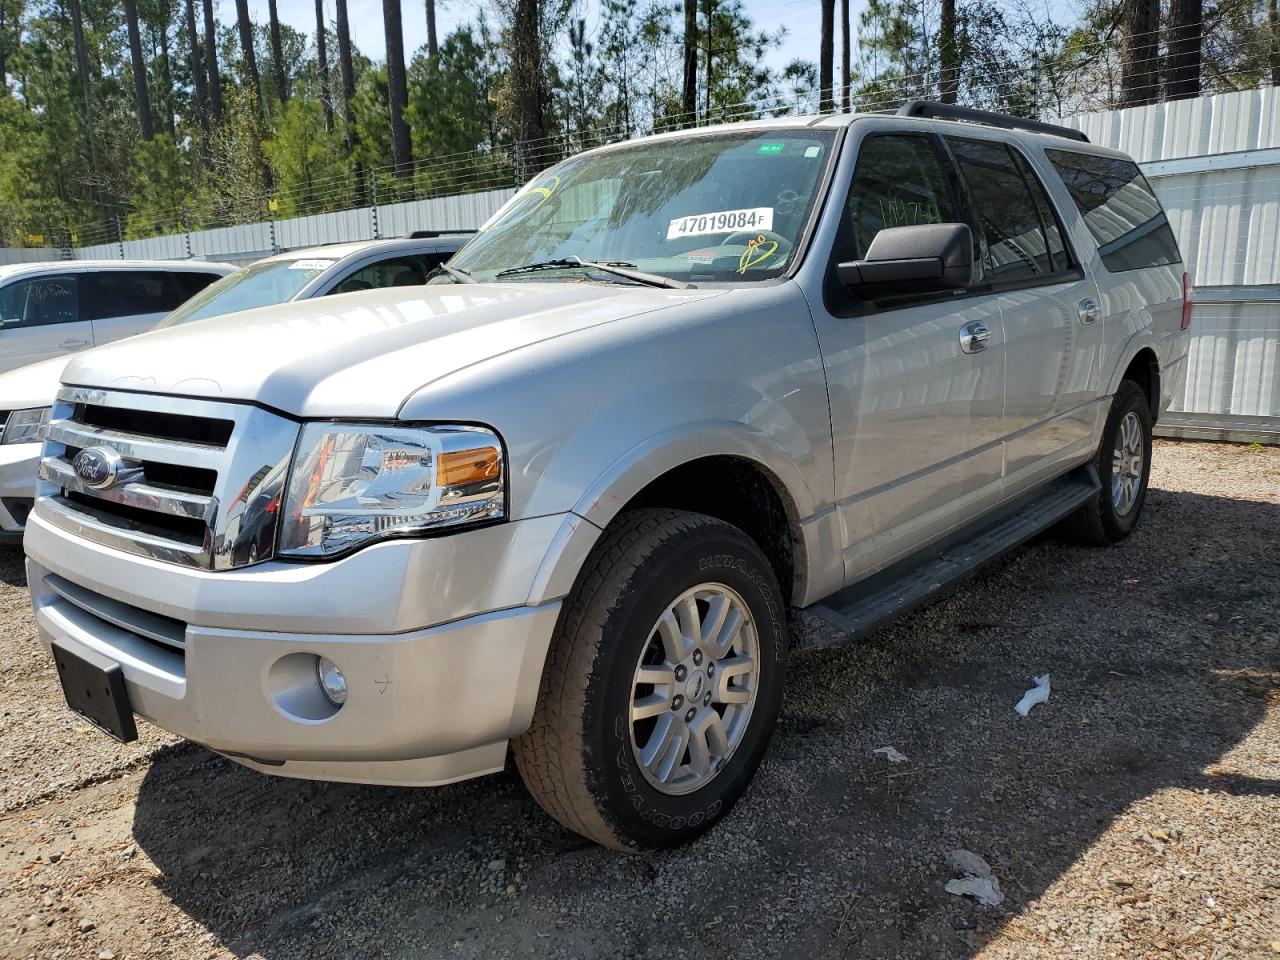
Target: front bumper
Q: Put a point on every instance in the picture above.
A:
(18, 465)
(442, 642)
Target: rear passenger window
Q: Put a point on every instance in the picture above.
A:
(899, 181)
(1119, 209)
(40, 301)
(1024, 241)
(127, 293)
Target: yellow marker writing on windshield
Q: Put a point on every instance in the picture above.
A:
(759, 249)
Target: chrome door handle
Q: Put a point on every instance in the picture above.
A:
(974, 336)
(73, 344)
(1087, 309)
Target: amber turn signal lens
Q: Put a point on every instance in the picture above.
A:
(459, 467)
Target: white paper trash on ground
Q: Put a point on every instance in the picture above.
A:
(1037, 694)
(986, 890)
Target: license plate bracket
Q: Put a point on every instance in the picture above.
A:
(94, 688)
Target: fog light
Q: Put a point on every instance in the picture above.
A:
(332, 682)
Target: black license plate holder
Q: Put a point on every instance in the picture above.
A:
(94, 688)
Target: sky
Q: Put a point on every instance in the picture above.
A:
(801, 18)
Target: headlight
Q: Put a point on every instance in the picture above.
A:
(27, 426)
(352, 484)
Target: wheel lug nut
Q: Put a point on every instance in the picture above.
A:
(677, 702)
(697, 658)
(711, 669)
(706, 700)
(688, 717)
(681, 673)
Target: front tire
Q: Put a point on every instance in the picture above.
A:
(662, 685)
(1123, 462)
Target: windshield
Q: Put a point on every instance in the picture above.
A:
(725, 206)
(259, 285)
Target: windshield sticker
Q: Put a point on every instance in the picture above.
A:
(771, 149)
(702, 256)
(811, 152)
(723, 221)
(311, 265)
(759, 249)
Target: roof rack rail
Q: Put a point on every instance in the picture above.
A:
(947, 111)
(428, 234)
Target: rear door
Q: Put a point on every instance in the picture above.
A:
(40, 317)
(127, 302)
(916, 400)
(1053, 334)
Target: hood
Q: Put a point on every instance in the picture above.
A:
(359, 354)
(32, 386)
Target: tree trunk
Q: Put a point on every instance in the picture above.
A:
(142, 95)
(709, 11)
(211, 61)
(826, 58)
(397, 90)
(1139, 78)
(433, 45)
(4, 44)
(277, 53)
(1273, 16)
(166, 81)
(845, 78)
(82, 66)
(530, 117)
(689, 91)
(1182, 62)
(248, 59)
(347, 72)
(948, 81)
(196, 65)
(322, 54)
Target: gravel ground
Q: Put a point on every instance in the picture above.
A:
(1137, 814)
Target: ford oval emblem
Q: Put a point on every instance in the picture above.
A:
(97, 467)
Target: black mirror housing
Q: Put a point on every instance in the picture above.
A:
(928, 256)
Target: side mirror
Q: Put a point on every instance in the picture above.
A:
(929, 256)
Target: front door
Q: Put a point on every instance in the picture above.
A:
(916, 383)
(40, 318)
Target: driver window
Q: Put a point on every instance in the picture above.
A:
(899, 181)
(401, 272)
(44, 300)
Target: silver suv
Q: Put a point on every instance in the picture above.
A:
(683, 404)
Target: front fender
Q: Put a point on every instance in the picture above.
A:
(630, 473)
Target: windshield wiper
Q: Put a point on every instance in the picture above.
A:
(616, 267)
(459, 276)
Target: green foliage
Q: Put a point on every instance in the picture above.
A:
(308, 162)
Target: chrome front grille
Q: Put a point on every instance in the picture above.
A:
(194, 482)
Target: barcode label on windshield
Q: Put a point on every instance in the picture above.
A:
(725, 221)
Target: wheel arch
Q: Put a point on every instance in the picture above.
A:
(1140, 362)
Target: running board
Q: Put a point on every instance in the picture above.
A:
(862, 608)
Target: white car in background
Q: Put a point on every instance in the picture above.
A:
(59, 307)
(27, 392)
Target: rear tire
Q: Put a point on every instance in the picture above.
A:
(1123, 462)
(644, 653)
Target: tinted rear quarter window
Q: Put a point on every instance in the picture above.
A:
(1119, 208)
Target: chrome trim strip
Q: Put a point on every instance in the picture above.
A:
(122, 615)
(134, 446)
(144, 496)
(124, 538)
